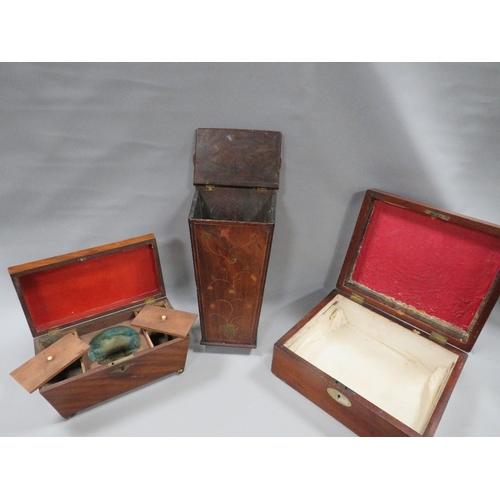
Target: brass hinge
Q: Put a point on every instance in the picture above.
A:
(210, 187)
(150, 301)
(54, 331)
(54, 334)
(439, 338)
(437, 215)
(357, 298)
(261, 190)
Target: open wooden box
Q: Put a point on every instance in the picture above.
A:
(382, 352)
(70, 300)
(231, 222)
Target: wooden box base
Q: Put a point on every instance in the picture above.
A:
(371, 373)
(86, 383)
(231, 255)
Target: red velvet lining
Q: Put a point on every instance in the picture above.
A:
(76, 290)
(435, 266)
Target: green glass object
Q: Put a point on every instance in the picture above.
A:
(114, 343)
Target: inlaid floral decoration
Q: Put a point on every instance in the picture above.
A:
(227, 304)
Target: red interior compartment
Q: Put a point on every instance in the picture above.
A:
(86, 287)
(438, 267)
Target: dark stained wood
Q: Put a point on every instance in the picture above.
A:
(362, 417)
(101, 384)
(81, 383)
(231, 262)
(237, 157)
(231, 226)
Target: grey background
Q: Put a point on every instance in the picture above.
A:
(92, 153)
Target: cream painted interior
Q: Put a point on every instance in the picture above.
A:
(399, 371)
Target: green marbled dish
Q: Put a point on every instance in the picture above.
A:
(114, 343)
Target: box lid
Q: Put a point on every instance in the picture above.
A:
(434, 269)
(49, 362)
(168, 321)
(69, 289)
(237, 158)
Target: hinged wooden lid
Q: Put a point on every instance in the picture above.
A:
(434, 269)
(237, 158)
(66, 290)
(168, 321)
(49, 362)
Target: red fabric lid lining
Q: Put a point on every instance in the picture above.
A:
(440, 268)
(74, 291)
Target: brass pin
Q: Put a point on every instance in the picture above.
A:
(50, 358)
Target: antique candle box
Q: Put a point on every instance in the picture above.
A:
(101, 323)
(383, 352)
(231, 222)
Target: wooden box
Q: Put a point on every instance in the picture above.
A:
(71, 299)
(383, 351)
(231, 222)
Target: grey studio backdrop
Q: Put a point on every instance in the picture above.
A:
(95, 153)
